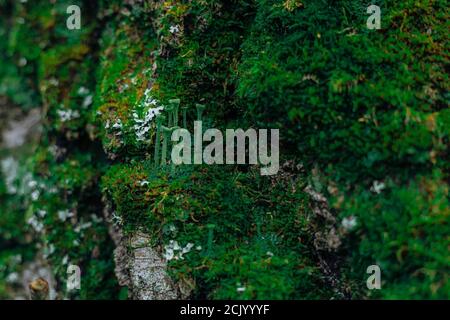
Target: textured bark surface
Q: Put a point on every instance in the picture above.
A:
(139, 266)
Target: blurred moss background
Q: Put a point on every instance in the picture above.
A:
(363, 118)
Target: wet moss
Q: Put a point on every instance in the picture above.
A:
(365, 111)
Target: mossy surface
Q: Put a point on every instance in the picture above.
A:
(365, 112)
(229, 231)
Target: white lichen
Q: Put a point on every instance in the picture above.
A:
(10, 168)
(174, 251)
(142, 124)
(87, 101)
(67, 115)
(64, 214)
(82, 91)
(348, 223)
(174, 29)
(377, 187)
(37, 225)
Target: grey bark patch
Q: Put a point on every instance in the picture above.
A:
(15, 135)
(148, 272)
(139, 266)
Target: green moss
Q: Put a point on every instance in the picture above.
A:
(242, 228)
(73, 230)
(363, 108)
(404, 230)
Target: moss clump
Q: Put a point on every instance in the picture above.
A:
(364, 110)
(68, 218)
(367, 108)
(404, 230)
(63, 205)
(222, 229)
